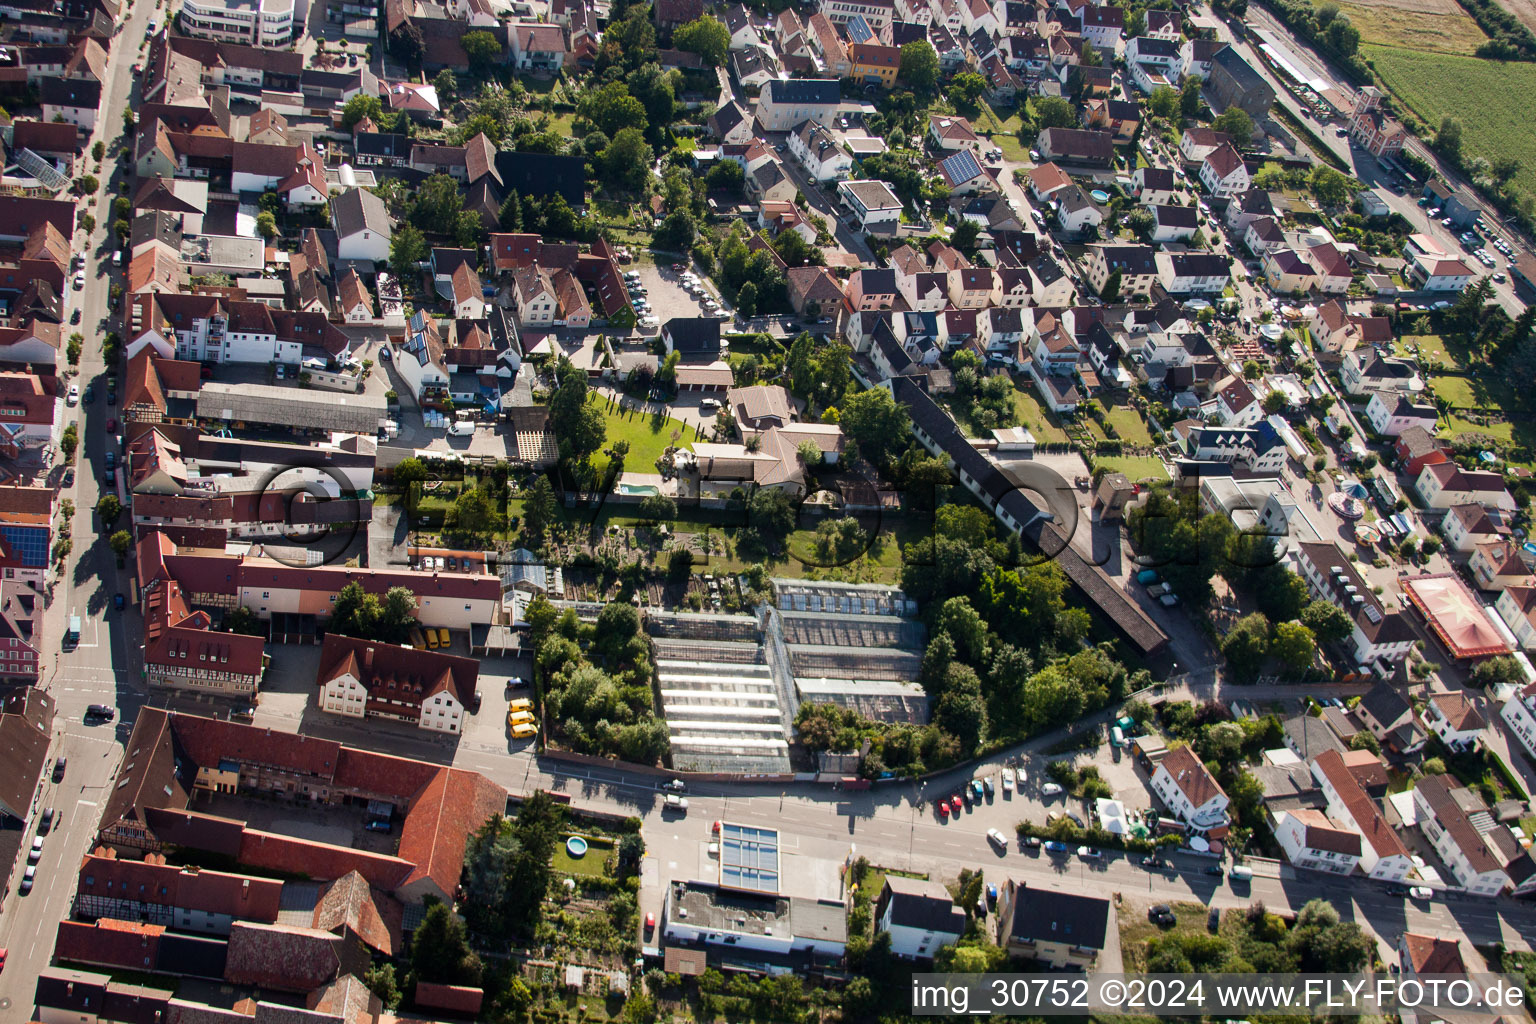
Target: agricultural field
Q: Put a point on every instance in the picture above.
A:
(1448, 30)
(1434, 85)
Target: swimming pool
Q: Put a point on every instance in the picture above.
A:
(638, 489)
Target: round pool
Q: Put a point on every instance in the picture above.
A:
(576, 846)
(1099, 195)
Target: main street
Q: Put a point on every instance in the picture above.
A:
(99, 669)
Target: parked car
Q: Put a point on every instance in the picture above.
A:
(45, 823)
(1053, 846)
(955, 803)
(997, 839)
(117, 602)
(1161, 913)
(37, 850)
(27, 879)
(1089, 853)
(976, 790)
(524, 731)
(1030, 842)
(1050, 789)
(676, 803)
(102, 711)
(943, 806)
(58, 769)
(1216, 869)
(1421, 892)
(987, 785)
(72, 397)
(378, 826)
(1397, 890)
(674, 786)
(1007, 780)
(1153, 861)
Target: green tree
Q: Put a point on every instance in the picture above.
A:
(360, 106)
(69, 441)
(706, 36)
(626, 161)
(1328, 186)
(482, 49)
(875, 423)
(440, 951)
(1327, 621)
(919, 66)
(1163, 102)
(397, 615)
(1054, 112)
(407, 249)
(1111, 290)
(109, 508)
(121, 541)
(963, 237)
(1234, 121)
(771, 512)
(355, 612)
(1246, 645)
(612, 108)
(538, 507)
(577, 421)
(1189, 96)
(965, 91)
(447, 86)
(1501, 671)
(266, 225)
(409, 471)
(746, 296)
(657, 508)
(471, 512)
(679, 564)
(1293, 644)
(380, 980)
(437, 205)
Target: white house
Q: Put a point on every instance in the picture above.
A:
(362, 678)
(919, 915)
(1174, 223)
(786, 103)
(1516, 605)
(1153, 186)
(872, 203)
(816, 149)
(1391, 413)
(1453, 718)
(1222, 171)
(1191, 273)
(1366, 371)
(1189, 791)
(363, 226)
(1313, 841)
(744, 921)
(1382, 853)
(1075, 212)
(1380, 637)
(1519, 713)
(1477, 858)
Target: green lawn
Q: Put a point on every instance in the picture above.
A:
(590, 865)
(1426, 347)
(1455, 425)
(1033, 416)
(648, 436)
(1004, 121)
(1125, 419)
(1459, 390)
(1137, 467)
(1434, 85)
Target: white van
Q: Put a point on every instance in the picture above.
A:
(1240, 873)
(461, 428)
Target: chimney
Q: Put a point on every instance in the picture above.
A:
(368, 658)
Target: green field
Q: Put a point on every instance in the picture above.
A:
(1136, 467)
(1461, 392)
(1032, 416)
(648, 435)
(1484, 95)
(1417, 30)
(1126, 420)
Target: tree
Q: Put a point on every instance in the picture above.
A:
(69, 440)
(1448, 138)
(1293, 644)
(965, 91)
(577, 421)
(1054, 112)
(1163, 102)
(99, 150)
(706, 36)
(355, 612)
(87, 222)
(919, 66)
(679, 228)
(875, 423)
(407, 249)
(241, 619)
(73, 349)
(437, 205)
(470, 513)
(626, 162)
(1328, 622)
(1189, 96)
(397, 615)
(482, 49)
(746, 296)
(1234, 121)
(109, 508)
(612, 108)
(447, 86)
(1501, 671)
(1111, 290)
(963, 236)
(679, 564)
(266, 225)
(511, 214)
(380, 980)
(360, 106)
(121, 541)
(771, 511)
(538, 507)
(409, 471)
(1246, 645)
(440, 951)
(1329, 186)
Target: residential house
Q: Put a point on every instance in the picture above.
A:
(1076, 146)
(1367, 371)
(1457, 824)
(1391, 412)
(1046, 179)
(1446, 484)
(1153, 186)
(771, 183)
(873, 204)
(1382, 853)
(873, 63)
(948, 133)
(1198, 143)
(819, 152)
(1334, 274)
(537, 47)
(1433, 273)
(784, 104)
(971, 287)
(1102, 26)
(1052, 927)
(1174, 224)
(362, 678)
(814, 289)
(1463, 526)
(1385, 711)
(1337, 332)
(1496, 564)
(1288, 271)
(963, 174)
(1135, 265)
(1246, 206)
(1313, 841)
(1120, 118)
(697, 339)
(1187, 788)
(1519, 712)
(1517, 607)
(1195, 56)
(1076, 213)
(1223, 173)
(1454, 718)
(871, 289)
(73, 101)
(353, 302)
(1190, 273)
(919, 915)
(731, 123)
(363, 226)
(1379, 636)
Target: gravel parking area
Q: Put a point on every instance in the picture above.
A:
(664, 290)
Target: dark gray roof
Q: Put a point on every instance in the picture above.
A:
(70, 92)
(543, 174)
(693, 335)
(1230, 61)
(921, 903)
(1177, 216)
(1049, 915)
(804, 90)
(356, 210)
(382, 144)
(1386, 704)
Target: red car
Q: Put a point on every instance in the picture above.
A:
(112, 426)
(943, 810)
(955, 803)
(3, 953)
(650, 923)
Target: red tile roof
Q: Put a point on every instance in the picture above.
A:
(288, 854)
(457, 999)
(131, 945)
(282, 957)
(208, 741)
(1430, 954)
(397, 673)
(149, 881)
(1190, 775)
(350, 902)
(440, 821)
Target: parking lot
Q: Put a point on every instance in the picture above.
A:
(665, 292)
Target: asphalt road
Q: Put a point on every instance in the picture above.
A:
(99, 669)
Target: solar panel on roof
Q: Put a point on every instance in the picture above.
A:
(418, 321)
(962, 166)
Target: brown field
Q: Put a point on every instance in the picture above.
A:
(1524, 10)
(1435, 26)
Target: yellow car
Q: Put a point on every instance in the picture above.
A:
(524, 731)
(520, 704)
(432, 639)
(516, 718)
(443, 639)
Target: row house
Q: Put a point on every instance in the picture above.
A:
(1313, 841)
(1191, 273)
(1136, 266)
(360, 678)
(1391, 412)
(1516, 605)
(1382, 853)
(1379, 637)
(1463, 832)
(1446, 484)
